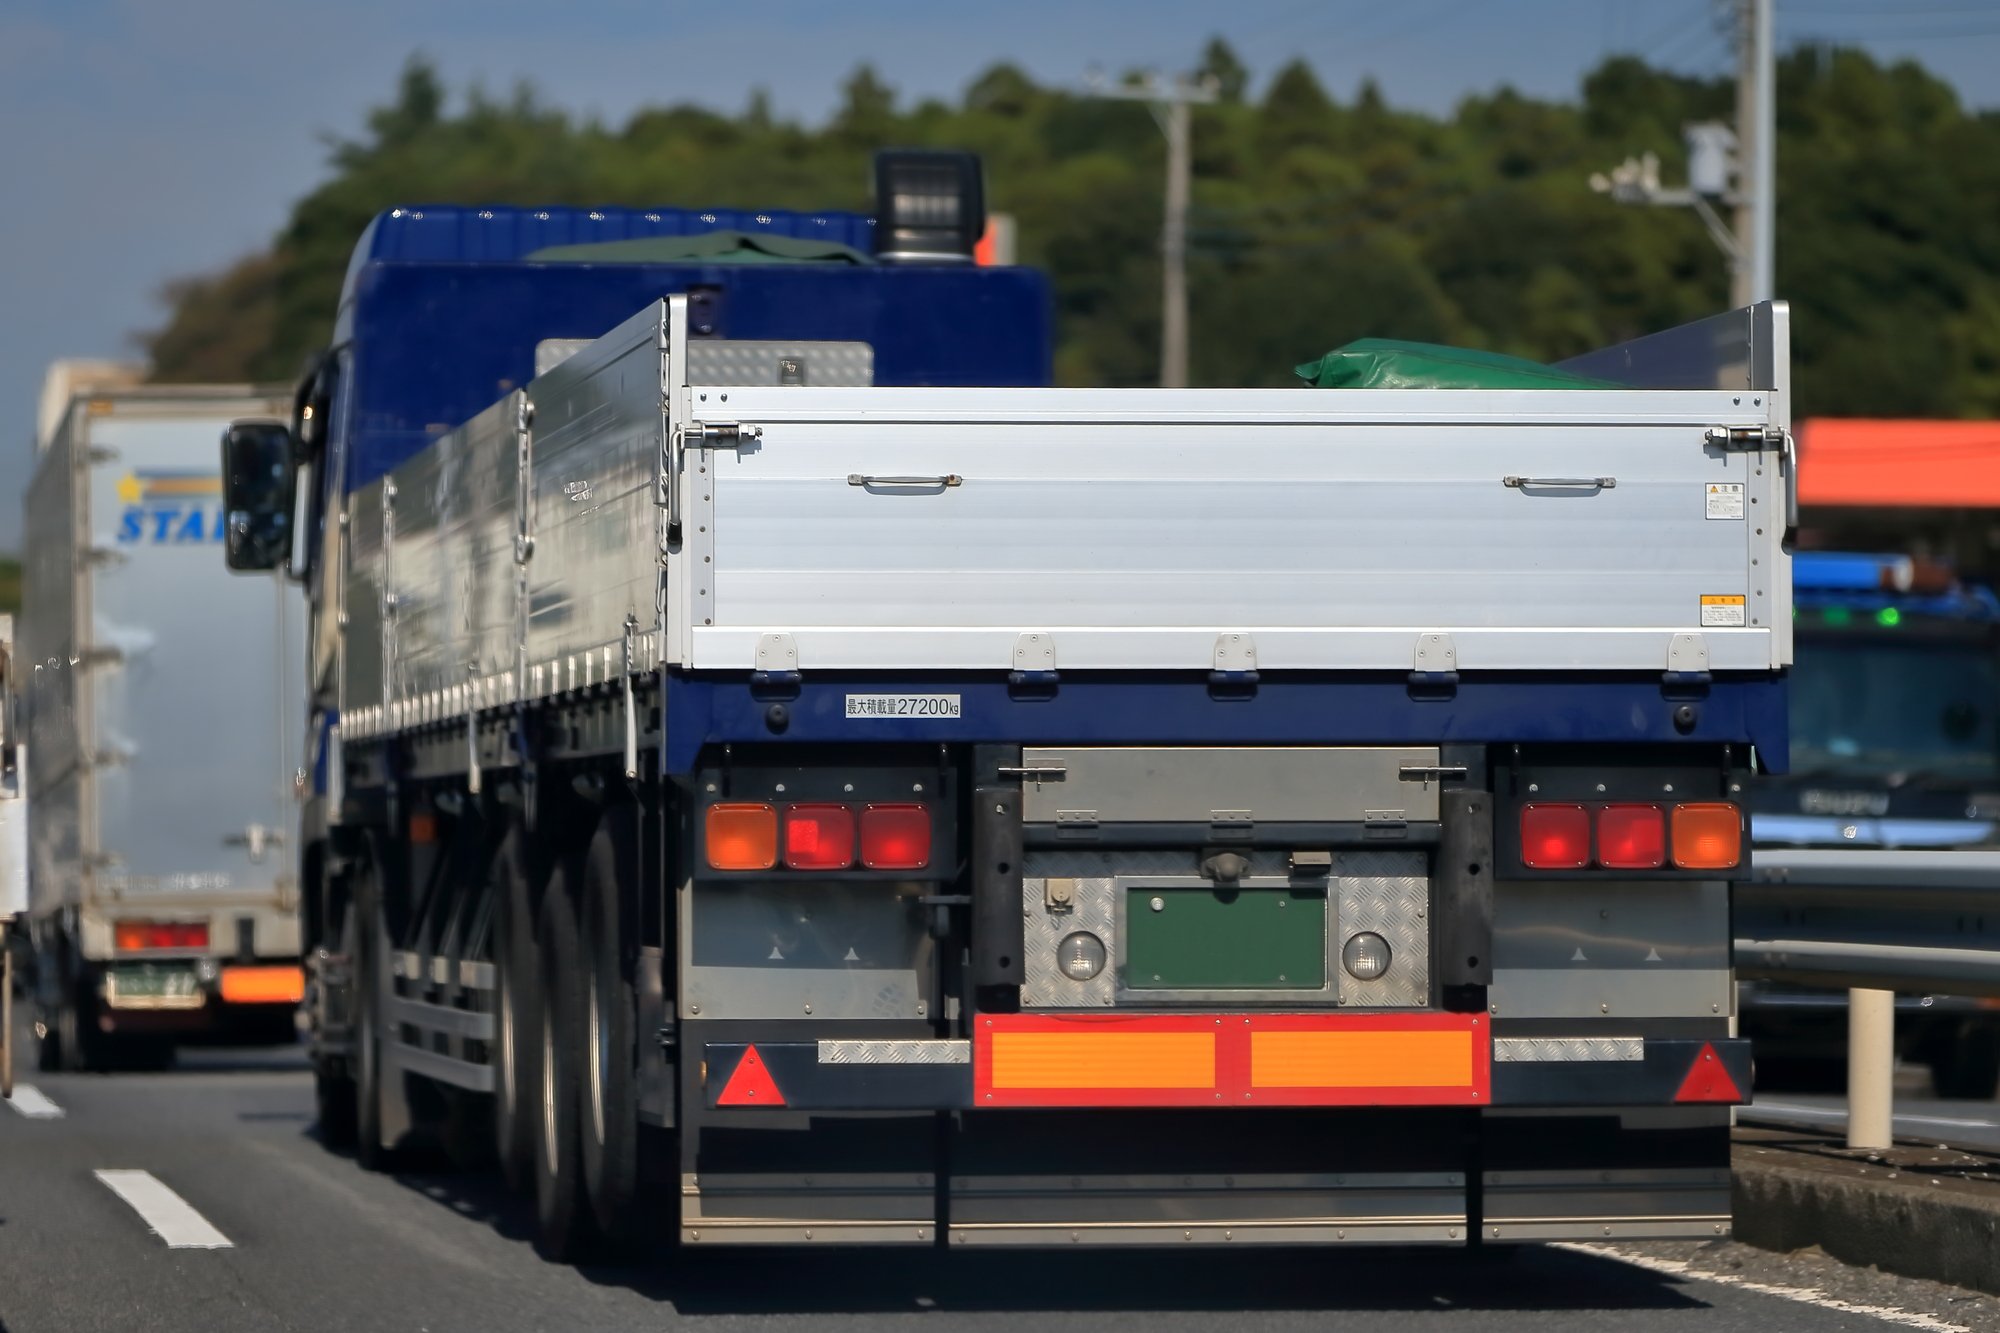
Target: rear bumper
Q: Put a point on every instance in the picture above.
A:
(1236, 1060)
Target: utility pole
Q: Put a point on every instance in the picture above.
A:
(1171, 105)
(1763, 234)
(1741, 283)
(1716, 154)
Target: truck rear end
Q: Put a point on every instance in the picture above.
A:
(957, 816)
(158, 694)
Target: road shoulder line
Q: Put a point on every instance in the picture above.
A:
(1802, 1295)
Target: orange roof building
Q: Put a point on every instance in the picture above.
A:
(1863, 462)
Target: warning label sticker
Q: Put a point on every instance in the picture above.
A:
(1721, 612)
(1725, 500)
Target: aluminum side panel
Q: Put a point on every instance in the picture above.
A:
(1136, 525)
(453, 561)
(597, 440)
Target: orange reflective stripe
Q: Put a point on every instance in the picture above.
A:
(1103, 1059)
(1360, 1059)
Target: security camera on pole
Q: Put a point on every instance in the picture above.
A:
(1169, 104)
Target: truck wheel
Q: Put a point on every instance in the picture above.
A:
(610, 1101)
(79, 1048)
(334, 1097)
(1969, 1065)
(562, 1213)
(517, 1001)
(365, 949)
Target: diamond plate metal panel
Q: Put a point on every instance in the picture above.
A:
(895, 1052)
(836, 365)
(1387, 893)
(1550, 1050)
(1093, 909)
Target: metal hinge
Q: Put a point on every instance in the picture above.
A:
(1745, 437)
(718, 434)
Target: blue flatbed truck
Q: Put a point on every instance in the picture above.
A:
(783, 770)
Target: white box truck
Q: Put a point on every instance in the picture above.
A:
(162, 899)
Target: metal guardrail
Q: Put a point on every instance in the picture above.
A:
(1899, 921)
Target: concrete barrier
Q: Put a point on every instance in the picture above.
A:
(1890, 1215)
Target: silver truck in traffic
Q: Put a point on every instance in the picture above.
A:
(153, 685)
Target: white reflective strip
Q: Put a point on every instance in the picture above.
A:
(31, 1102)
(166, 1212)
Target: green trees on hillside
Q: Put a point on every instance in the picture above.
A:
(1315, 221)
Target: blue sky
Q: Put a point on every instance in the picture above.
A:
(144, 141)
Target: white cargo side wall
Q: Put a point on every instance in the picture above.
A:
(188, 710)
(1135, 526)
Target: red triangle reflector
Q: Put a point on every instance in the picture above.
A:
(751, 1084)
(1707, 1080)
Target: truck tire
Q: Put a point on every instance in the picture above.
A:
(1968, 1066)
(79, 1045)
(333, 1096)
(517, 1001)
(563, 1224)
(366, 951)
(609, 1109)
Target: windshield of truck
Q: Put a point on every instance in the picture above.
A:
(1868, 709)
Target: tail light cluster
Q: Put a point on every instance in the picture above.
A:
(754, 835)
(1693, 835)
(135, 935)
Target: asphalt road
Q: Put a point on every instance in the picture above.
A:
(317, 1243)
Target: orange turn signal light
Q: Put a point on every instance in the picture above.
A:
(1708, 835)
(742, 836)
(281, 984)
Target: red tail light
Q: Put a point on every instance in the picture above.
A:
(819, 837)
(895, 837)
(1631, 837)
(1555, 837)
(129, 935)
(742, 837)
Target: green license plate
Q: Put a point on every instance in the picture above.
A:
(150, 981)
(1189, 938)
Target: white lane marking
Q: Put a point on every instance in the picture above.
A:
(1828, 1113)
(167, 1213)
(33, 1103)
(1803, 1295)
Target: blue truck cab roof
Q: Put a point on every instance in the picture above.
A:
(443, 305)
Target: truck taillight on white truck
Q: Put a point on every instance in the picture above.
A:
(157, 692)
(958, 816)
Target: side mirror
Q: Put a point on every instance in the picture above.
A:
(257, 481)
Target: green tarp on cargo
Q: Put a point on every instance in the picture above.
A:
(708, 247)
(1384, 363)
